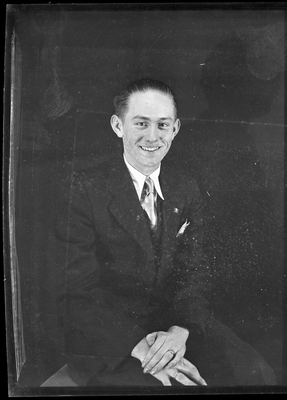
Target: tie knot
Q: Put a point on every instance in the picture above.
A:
(149, 186)
(148, 201)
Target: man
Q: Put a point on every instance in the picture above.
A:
(136, 279)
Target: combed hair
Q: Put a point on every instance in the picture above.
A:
(141, 85)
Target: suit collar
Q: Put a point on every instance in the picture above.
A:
(139, 178)
(119, 180)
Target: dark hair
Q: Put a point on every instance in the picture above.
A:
(141, 85)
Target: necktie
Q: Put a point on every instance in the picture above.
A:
(148, 201)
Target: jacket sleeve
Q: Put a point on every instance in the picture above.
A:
(79, 296)
(96, 320)
(75, 241)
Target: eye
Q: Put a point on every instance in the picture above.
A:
(141, 124)
(163, 125)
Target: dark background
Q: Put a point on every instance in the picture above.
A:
(226, 67)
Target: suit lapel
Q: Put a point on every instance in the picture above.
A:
(173, 201)
(125, 205)
(126, 208)
(173, 206)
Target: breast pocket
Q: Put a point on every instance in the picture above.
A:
(183, 228)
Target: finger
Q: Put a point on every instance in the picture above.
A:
(179, 377)
(164, 380)
(151, 337)
(191, 371)
(177, 359)
(162, 360)
(151, 353)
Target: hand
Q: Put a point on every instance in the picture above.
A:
(165, 348)
(184, 372)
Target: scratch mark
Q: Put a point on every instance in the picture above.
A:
(93, 26)
(157, 39)
(235, 122)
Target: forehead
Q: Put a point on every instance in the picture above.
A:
(151, 103)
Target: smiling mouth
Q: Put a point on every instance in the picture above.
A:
(149, 149)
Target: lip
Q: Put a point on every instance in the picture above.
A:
(150, 149)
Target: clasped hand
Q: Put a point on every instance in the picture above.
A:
(165, 348)
(161, 354)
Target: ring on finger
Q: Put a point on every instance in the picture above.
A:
(171, 351)
(175, 374)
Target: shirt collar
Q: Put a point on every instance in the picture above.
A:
(139, 179)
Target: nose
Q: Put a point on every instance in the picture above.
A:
(152, 134)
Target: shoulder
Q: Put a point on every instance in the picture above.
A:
(180, 179)
(94, 175)
(91, 181)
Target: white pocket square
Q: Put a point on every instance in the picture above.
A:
(183, 228)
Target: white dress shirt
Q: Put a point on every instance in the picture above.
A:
(139, 179)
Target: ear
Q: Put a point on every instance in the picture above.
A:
(176, 128)
(117, 125)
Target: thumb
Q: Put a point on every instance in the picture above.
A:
(151, 337)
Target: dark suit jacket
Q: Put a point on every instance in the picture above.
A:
(114, 293)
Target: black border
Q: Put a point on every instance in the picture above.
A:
(7, 300)
(14, 390)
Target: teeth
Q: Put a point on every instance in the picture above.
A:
(149, 148)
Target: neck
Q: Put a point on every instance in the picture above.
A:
(143, 170)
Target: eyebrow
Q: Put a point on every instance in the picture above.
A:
(148, 119)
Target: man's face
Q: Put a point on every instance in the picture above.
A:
(147, 129)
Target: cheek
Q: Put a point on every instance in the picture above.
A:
(168, 140)
(132, 137)
(129, 143)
